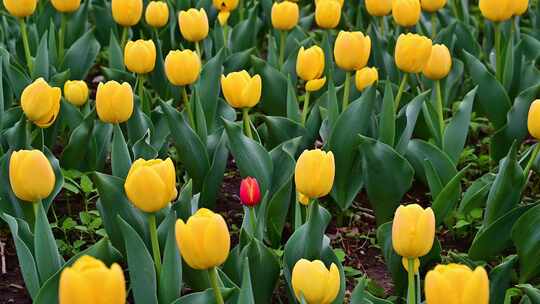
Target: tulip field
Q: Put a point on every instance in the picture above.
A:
(270, 151)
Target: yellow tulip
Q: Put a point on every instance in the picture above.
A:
(41, 103)
(225, 7)
(31, 175)
(204, 240)
(497, 10)
(157, 14)
(366, 77)
(533, 120)
(241, 90)
(351, 50)
(114, 102)
(151, 184)
(140, 56)
(302, 199)
(379, 8)
(182, 67)
(314, 173)
(310, 67)
(285, 15)
(413, 231)
(327, 13)
(520, 7)
(66, 6)
(193, 24)
(457, 284)
(439, 63)
(314, 282)
(127, 12)
(76, 92)
(431, 6)
(406, 13)
(412, 52)
(20, 8)
(90, 281)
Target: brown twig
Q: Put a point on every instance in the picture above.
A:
(2, 258)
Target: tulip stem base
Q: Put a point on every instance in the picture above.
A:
(155, 244)
(530, 163)
(198, 49)
(253, 219)
(400, 91)
(213, 276)
(498, 54)
(346, 89)
(62, 37)
(305, 110)
(282, 43)
(124, 38)
(411, 296)
(187, 106)
(26, 45)
(247, 122)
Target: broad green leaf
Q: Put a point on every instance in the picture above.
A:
(281, 129)
(387, 120)
(170, 278)
(274, 88)
(500, 279)
(476, 194)
(531, 292)
(81, 56)
(361, 296)
(48, 259)
(526, 237)
(246, 293)
(445, 202)
(208, 88)
(41, 62)
(455, 134)
(214, 177)
(410, 115)
(205, 297)
(120, 157)
(418, 151)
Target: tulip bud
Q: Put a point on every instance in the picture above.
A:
(458, 283)
(327, 13)
(157, 14)
(310, 67)
(366, 77)
(41, 103)
(250, 194)
(520, 7)
(311, 164)
(412, 52)
(182, 67)
(20, 8)
(204, 241)
(140, 56)
(127, 12)
(114, 102)
(76, 92)
(241, 90)
(31, 175)
(406, 13)
(90, 281)
(314, 282)
(151, 184)
(225, 7)
(533, 120)
(302, 199)
(285, 15)
(413, 231)
(193, 24)
(439, 63)
(497, 10)
(66, 6)
(379, 8)
(351, 50)
(431, 6)
(223, 16)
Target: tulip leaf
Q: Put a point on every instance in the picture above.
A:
(81, 56)
(274, 88)
(381, 166)
(476, 194)
(493, 99)
(157, 77)
(120, 158)
(71, 115)
(238, 61)
(143, 149)
(246, 293)
(139, 123)
(263, 279)
(496, 237)
(387, 120)
(59, 178)
(206, 297)
(48, 259)
(500, 279)
(344, 145)
(214, 177)
(244, 34)
(81, 150)
(140, 264)
(418, 151)
(531, 292)
(526, 237)
(170, 278)
(251, 158)
(446, 200)
(360, 294)
(409, 114)
(281, 129)
(41, 62)
(293, 111)
(455, 134)
(77, 23)
(208, 88)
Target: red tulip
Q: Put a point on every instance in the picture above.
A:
(250, 194)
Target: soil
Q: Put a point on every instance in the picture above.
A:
(12, 289)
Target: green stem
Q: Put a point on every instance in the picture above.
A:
(26, 45)
(411, 292)
(241, 9)
(123, 41)
(140, 87)
(212, 274)
(35, 207)
(225, 36)
(306, 108)
(381, 25)
(531, 160)
(62, 37)
(253, 219)
(346, 89)
(400, 90)
(155, 244)
(433, 25)
(282, 43)
(498, 54)
(28, 130)
(455, 8)
(198, 49)
(188, 108)
(308, 209)
(440, 106)
(247, 122)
